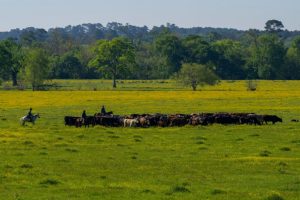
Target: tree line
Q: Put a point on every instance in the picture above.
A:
(129, 52)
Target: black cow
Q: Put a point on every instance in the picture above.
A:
(71, 121)
(89, 120)
(271, 118)
(112, 121)
(163, 121)
(178, 120)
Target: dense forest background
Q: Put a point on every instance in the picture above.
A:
(157, 53)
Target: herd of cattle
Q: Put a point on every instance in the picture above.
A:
(164, 120)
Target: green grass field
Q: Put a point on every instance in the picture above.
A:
(51, 161)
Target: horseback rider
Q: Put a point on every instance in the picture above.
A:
(83, 116)
(103, 111)
(29, 115)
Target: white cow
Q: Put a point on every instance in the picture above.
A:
(130, 122)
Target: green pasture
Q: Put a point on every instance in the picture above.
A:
(155, 85)
(51, 161)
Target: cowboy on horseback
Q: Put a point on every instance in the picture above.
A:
(29, 118)
(29, 115)
(83, 116)
(103, 111)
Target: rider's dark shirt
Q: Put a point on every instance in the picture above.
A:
(29, 114)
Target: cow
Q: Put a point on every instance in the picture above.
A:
(112, 120)
(79, 122)
(223, 119)
(255, 119)
(178, 120)
(194, 120)
(131, 122)
(144, 122)
(70, 121)
(163, 121)
(271, 118)
(154, 119)
(89, 120)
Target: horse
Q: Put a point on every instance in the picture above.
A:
(26, 119)
(103, 114)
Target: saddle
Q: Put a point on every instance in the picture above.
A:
(29, 118)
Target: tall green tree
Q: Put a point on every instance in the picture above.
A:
(292, 66)
(36, 67)
(197, 50)
(114, 57)
(150, 64)
(67, 66)
(32, 37)
(85, 54)
(5, 60)
(251, 37)
(193, 75)
(58, 43)
(13, 56)
(230, 61)
(267, 58)
(170, 46)
(274, 26)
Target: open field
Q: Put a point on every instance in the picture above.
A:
(159, 85)
(51, 161)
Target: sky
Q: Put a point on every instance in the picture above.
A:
(239, 14)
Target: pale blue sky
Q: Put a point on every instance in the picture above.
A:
(240, 14)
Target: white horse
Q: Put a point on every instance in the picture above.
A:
(26, 119)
